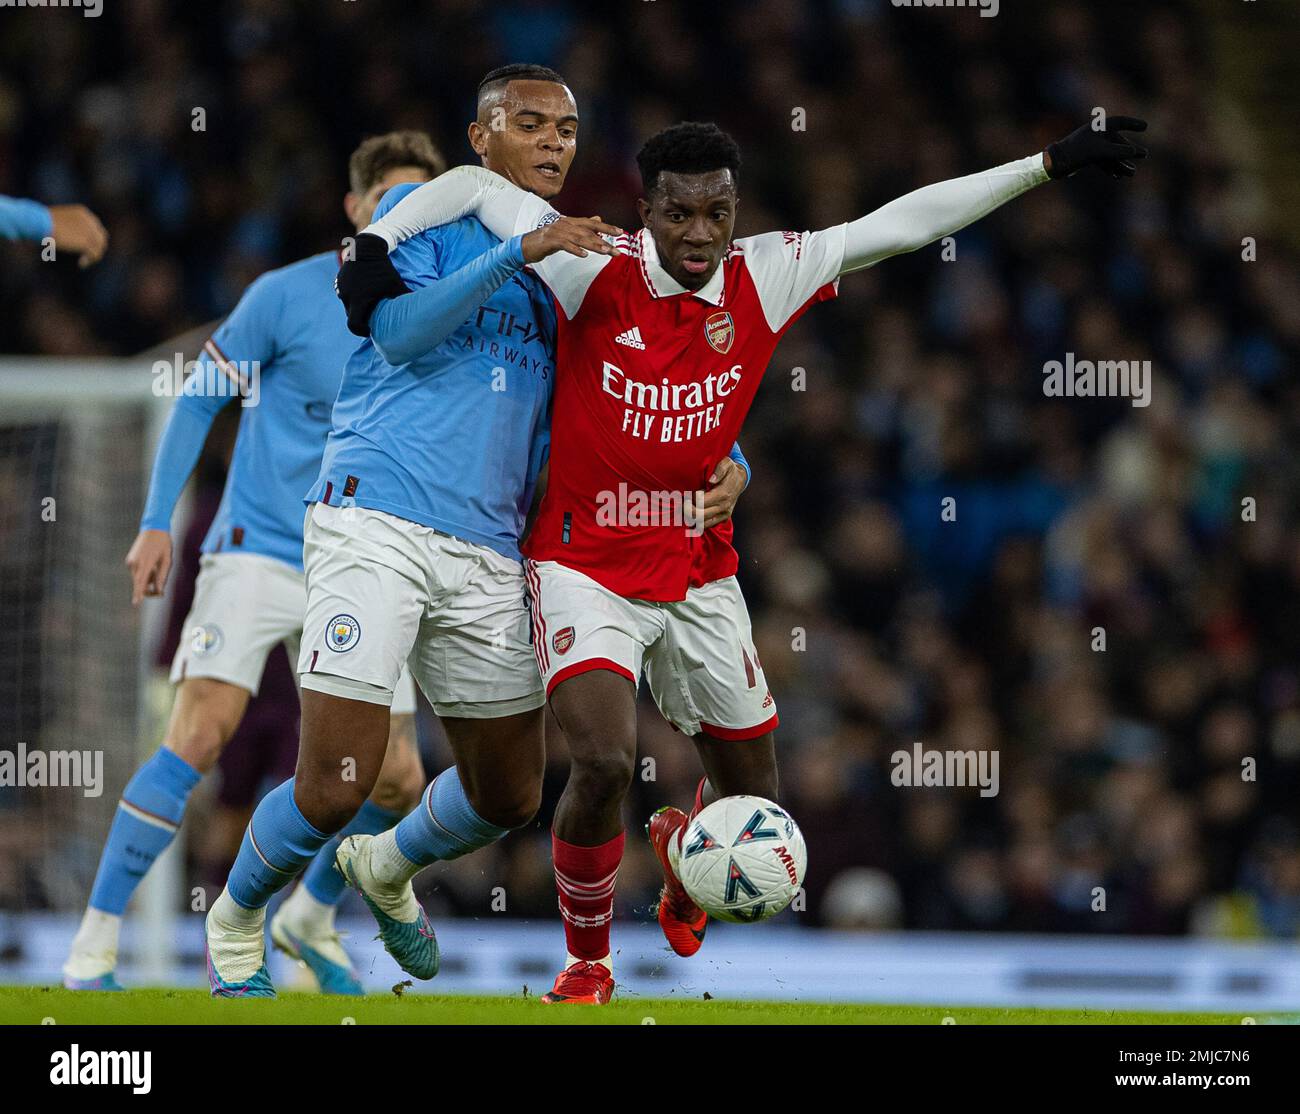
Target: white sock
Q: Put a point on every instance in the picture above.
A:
(389, 886)
(230, 913)
(236, 944)
(387, 864)
(94, 948)
(305, 912)
(607, 962)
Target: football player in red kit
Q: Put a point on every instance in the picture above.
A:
(660, 351)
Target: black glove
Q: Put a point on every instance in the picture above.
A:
(1107, 150)
(363, 282)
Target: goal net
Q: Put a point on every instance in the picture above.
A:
(76, 714)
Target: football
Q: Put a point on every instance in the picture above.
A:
(742, 859)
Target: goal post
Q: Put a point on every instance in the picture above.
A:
(77, 672)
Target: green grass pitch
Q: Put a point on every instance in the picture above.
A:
(31, 1005)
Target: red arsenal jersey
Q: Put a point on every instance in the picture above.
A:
(653, 385)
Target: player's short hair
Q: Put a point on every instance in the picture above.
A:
(381, 153)
(687, 148)
(496, 80)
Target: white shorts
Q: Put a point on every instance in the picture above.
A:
(382, 591)
(244, 605)
(698, 654)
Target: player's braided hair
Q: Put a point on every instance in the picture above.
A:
(687, 148)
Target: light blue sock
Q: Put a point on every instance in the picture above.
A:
(444, 824)
(146, 821)
(277, 845)
(323, 882)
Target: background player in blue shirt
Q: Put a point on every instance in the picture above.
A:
(73, 227)
(282, 351)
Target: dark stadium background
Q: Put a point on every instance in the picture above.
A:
(1120, 769)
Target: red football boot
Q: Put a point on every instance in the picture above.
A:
(582, 984)
(683, 922)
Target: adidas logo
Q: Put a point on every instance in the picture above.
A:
(632, 338)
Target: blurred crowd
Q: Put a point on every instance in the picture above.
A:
(1114, 610)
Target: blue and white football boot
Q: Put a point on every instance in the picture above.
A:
(236, 951)
(316, 946)
(404, 926)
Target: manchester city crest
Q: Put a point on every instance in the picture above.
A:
(342, 633)
(206, 638)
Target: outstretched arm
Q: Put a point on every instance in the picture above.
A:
(461, 192)
(932, 212)
(404, 328)
(565, 252)
(791, 268)
(74, 227)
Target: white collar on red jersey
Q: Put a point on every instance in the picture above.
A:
(662, 285)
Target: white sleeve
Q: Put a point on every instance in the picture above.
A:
(790, 267)
(568, 276)
(923, 216)
(458, 193)
(504, 210)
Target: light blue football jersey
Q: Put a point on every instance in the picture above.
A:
(454, 439)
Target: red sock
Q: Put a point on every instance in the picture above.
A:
(584, 877)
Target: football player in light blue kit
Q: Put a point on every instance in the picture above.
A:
(72, 227)
(411, 550)
(281, 351)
